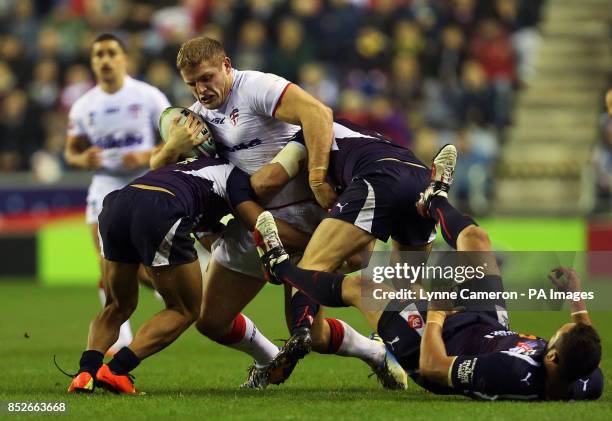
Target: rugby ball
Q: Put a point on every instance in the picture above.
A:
(206, 148)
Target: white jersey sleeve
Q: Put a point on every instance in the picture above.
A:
(76, 126)
(264, 91)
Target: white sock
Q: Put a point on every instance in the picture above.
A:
(245, 337)
(125, 332)
(354, 344)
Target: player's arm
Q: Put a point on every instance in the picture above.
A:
(316, 119)
(79, 153)
(566, 279)
(271, 178)
(434, 364)
(181, 139)
(243, 200)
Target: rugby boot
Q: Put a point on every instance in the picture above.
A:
(442, 171)
(257, 378)
(296, 348)
(390, 373)
(269, 246)
(83, 382)
(116, 383)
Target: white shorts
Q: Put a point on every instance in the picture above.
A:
(236, 250)
(101, 185)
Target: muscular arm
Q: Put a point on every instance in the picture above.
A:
(271, 178)
(79, 153)
(434, 363)
(316, 119)
(566, 279)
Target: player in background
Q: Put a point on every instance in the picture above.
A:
(112, 129)
(471, 353)
(148, 223)
(252, 116)
(609, 101)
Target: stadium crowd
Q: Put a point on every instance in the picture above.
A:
(425, 72)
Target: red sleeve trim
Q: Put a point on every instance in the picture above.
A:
(280, 98)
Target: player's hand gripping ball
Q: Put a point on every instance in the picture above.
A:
(206, 146)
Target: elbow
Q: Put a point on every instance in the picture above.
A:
(428, 367)
(266, 183)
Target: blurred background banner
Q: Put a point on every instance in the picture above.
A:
(517, 85)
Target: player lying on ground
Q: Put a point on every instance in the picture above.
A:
(470, 353)
(112, 130)
(149, 222)
(252, 116)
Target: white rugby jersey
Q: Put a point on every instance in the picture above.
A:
(121, 122)
(248, 135)
(246, 132)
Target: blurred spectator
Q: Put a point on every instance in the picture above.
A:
(602, 166)
(44, 88)
(251, 52)
(389, 121)
(319, 82)
(24, 26)
(293, 50)
(476, 97)
(21, 132)
(77, 82)
(8, 80)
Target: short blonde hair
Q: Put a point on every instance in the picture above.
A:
(196, 50)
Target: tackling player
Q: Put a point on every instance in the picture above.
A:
(112, 130)
(471, 353)
(252, 116)
(149, 223)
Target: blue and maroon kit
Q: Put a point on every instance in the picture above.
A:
(493, 362)
(379, 183)
(154, 227)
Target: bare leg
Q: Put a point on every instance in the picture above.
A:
(226, 293)
(121, 300)
(181, 288)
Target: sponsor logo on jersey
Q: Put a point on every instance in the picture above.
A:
(415, 321)
(218, 120)
(111, 142)
(111, 110)
(234, 116)
(500, 333)
(526, 347)
(240, 146)
(465, 371)
(134, 110)
(92, 116)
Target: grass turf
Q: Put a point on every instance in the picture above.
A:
(196, 377)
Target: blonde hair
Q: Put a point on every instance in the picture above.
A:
(196, 50)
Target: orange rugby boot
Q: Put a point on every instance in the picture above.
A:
(116, 383)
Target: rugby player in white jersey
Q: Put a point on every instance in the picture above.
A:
(253, 115)
(112, 130)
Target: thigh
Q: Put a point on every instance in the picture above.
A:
(179, 285)
(332, 243)
(227, 292)
(120, 283)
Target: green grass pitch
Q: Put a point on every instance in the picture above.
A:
(195, 377)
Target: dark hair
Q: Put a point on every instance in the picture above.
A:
(578, 351)
(110, 37)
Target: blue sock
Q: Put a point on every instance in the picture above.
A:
(452, 222)
(323, 287)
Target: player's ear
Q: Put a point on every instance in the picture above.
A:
(552, 356)
(227, 64)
